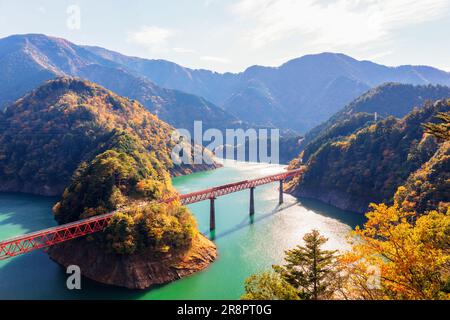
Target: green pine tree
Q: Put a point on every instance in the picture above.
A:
(310, 273)
(310, 269)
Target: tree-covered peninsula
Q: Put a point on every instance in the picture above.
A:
(102, 153)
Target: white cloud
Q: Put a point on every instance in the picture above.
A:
(153, 38)
(333, 23)
(215, 59)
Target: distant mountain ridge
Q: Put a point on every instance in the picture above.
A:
(26, 61)
(297, 95)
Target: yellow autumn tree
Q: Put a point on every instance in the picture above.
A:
(399, 255)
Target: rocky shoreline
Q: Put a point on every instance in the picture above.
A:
(139, 271)
(56, 189)
(332, 197)
(28, 187)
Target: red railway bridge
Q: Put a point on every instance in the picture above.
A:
(51, 236)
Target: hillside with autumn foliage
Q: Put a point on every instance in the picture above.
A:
(46, 135)
(27, 61)
(402, 250)
(369, 165)
(102, 153)
(389, 99)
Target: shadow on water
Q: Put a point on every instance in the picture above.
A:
(248, 220)
(25, 211)
(352, 219)
(36, 276)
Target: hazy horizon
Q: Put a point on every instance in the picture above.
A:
(230, 36)
(234, 72)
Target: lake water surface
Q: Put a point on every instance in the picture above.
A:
(245, 246)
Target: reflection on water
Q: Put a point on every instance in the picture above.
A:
(246, 244)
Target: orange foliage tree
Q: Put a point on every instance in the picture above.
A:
(399, 255)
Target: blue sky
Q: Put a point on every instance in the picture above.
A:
(235, 34)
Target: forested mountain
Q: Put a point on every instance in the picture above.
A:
(429, 187)
(370, 164)
(28, 60)
(394, 99)
(390, 99)
(296, 95)
(48, 134)
(109, 155)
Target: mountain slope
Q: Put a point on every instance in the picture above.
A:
(215, 87)
(256, 103)
(369, 165)
(28, 60)
(303, 91)
(391, 99)
(394, 99)
(429, 187)
(47, 134)
(108, 154)
(298, 95)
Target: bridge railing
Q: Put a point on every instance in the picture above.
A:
(235, 187)
(51, 236)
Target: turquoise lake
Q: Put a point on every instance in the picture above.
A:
(245, 246)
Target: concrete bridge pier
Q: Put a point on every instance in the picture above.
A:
(212, 214)
(252, 201)
(281, 200)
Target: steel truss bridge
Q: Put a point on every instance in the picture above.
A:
(52, 236)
